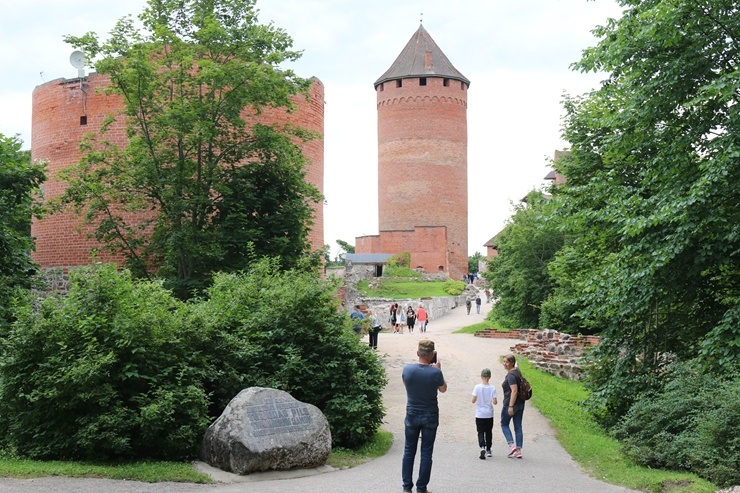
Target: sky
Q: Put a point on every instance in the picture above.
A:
(517, 56)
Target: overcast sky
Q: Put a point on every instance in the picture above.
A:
(516, 55)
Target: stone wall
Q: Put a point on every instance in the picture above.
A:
(435, 307)
(549, 350)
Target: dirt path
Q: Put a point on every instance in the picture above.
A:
(463, 356)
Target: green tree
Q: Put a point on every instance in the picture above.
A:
(19, 180)
(519, 273)
(473, 261)
(190, 78)
(345, 248)
(652, 194)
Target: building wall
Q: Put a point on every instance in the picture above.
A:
(422, 161)
(57, 130)
(427, 246)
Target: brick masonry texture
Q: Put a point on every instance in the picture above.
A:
(422, 173)
(57, 130)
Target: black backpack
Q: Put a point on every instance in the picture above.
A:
(524, 390)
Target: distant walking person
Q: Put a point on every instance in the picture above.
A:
(488, 295)
(422, 381)
(410, 318)
(421, 317)
(357, 318)
(477, 303)
(484, 398)
(375, 329)
(468, 304)
(513, 408)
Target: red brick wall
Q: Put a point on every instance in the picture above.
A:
(57, 131)
(422, 161)
(427, 246)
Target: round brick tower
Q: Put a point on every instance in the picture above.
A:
(63, 110)
(422, 151)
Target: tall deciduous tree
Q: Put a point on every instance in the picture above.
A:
(653, 191)
(224, 188)
(19, 179)
(518, 274)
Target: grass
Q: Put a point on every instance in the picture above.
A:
(341, 458)
(472, 329)
(600, 456)
(150, 472)
(179, 472)
(403, 289)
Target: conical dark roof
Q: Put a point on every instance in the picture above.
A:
(414, 61)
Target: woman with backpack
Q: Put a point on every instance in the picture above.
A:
(513, 409)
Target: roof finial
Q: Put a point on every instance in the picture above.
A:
(421, 18)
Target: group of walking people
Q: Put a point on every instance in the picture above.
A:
(400, 316)
(423, 380)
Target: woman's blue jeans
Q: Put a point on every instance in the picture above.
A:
(517, 419)
(415, 424)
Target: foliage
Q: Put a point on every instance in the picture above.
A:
(400, 290)
(402, 259)
(473, 261)
(104, 373)
(693, 424)
(345, 248)
(122, 370)
(19, 180)
(453, 287)
(561, 402)
(282, 329)
(203, 177)
(651, 202)
(393, 270)
(518, 274)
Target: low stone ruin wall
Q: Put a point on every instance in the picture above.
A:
(435, 307)
(548, 350)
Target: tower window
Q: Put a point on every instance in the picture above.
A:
(381, 87)
(462, 85)
(83, 120)
(446, 82)
(422, 81)
(399, 83)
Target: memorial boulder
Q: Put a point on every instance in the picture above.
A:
(266, 429)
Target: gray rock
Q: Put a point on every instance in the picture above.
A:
(266, 429)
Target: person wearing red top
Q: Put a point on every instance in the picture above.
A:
(421, 317)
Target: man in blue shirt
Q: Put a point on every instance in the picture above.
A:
(357, 317)
(422, 381)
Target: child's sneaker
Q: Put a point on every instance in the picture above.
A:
(483, 453)
(488, 453)
(512, 451)
(518, 454)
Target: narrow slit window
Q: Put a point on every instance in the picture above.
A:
(399, 83)
(422, 81)
(381, 88)
(83, 120)
(446, 82)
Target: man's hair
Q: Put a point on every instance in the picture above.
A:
(426, 348)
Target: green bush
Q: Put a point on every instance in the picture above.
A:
(692, 425)
(120, 370)
(101, 374)
(282, 330)
(454, 288)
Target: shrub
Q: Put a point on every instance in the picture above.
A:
(282, 330)
(101, 374)
(454, 288)
(692, 425)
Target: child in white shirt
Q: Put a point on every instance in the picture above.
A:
(484, 398)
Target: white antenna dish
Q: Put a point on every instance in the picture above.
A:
(77, 59)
